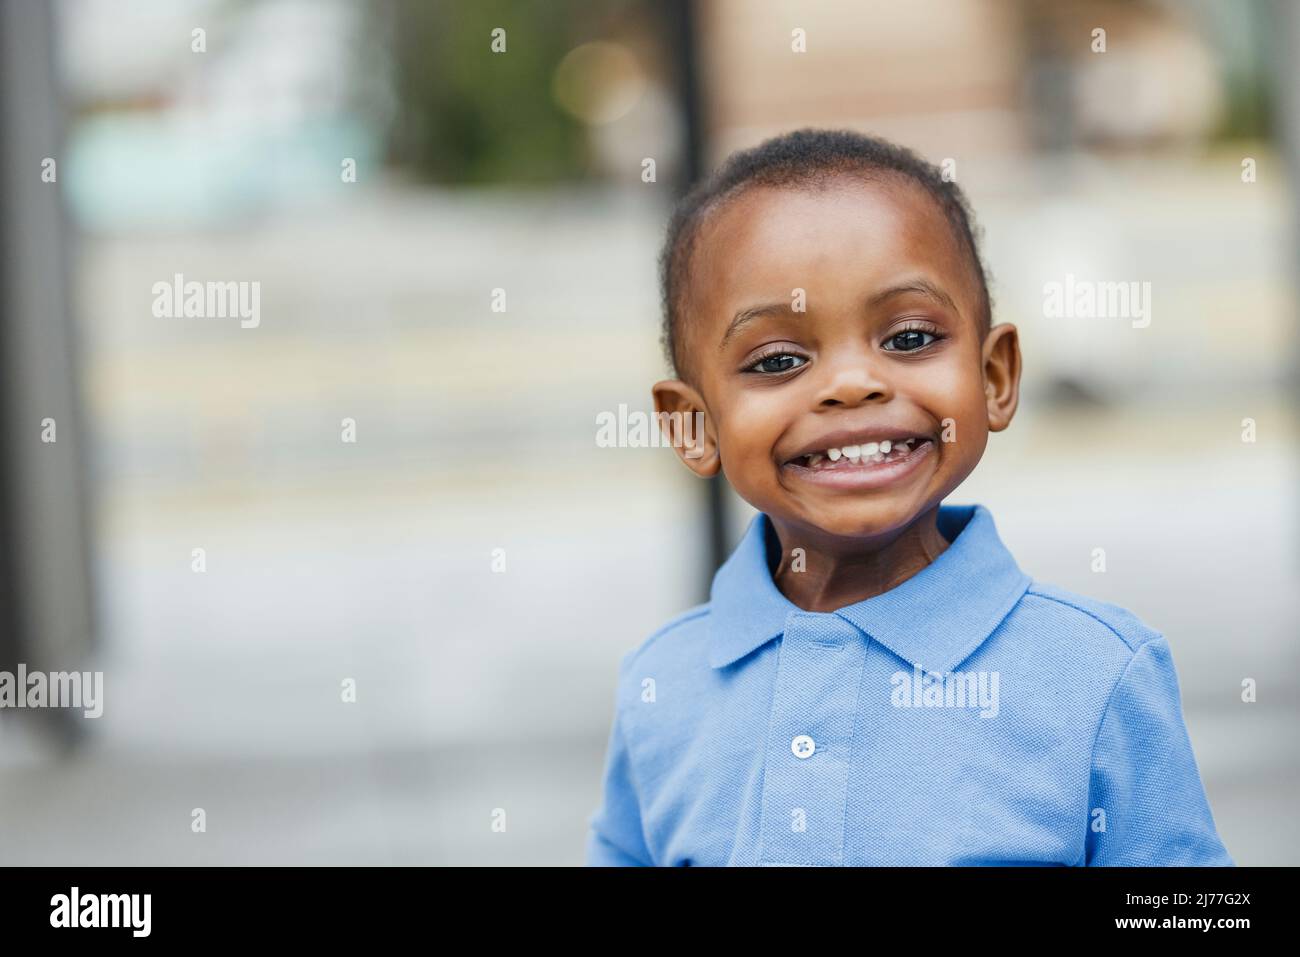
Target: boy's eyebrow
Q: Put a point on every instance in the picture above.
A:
(745, 316)
(919, 285)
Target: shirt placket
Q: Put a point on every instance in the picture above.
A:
(810, 740)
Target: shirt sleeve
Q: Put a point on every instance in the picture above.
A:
(615, 837)
(1144, 775)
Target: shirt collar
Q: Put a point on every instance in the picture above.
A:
(933, 621)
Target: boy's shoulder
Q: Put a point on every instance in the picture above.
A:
(685, 631)
(1071, 613)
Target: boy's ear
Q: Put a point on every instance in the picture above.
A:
(1002, 374)
(686, 425)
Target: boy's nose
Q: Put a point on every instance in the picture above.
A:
(852, 381)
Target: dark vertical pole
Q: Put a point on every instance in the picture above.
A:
(45, 591)
(683, 47)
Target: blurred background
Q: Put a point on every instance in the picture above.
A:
(474, 562)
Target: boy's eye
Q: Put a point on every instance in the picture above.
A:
(777, 362)
(909, 340)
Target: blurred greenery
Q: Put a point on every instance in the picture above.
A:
(470, 115)
(1242, 34)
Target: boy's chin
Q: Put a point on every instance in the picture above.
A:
(861, 521)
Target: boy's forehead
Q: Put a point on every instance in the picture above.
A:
(836, 242)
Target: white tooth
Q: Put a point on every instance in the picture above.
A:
(871, 448)
(852, 451)
(885, 446)
(878, 457)
(833, 454)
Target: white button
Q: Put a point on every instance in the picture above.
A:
(803, 746)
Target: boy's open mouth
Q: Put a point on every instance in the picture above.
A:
(867, 453)
(863, 465)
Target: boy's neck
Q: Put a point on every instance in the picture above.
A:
(835, 574)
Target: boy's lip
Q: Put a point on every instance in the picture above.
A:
(866, 474)
(843, 437)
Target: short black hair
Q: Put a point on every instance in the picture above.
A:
(805, 156)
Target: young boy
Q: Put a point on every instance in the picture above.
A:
(874, 680)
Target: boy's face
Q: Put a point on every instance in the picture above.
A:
(883, 345)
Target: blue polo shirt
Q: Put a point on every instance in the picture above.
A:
(967, 716)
